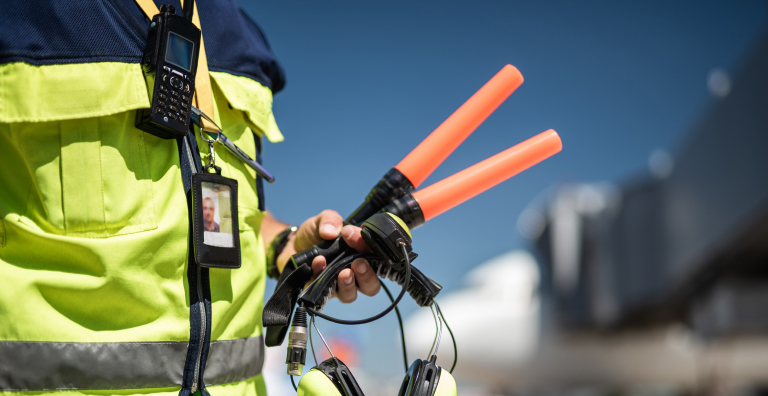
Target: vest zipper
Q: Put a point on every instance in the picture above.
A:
(196, 378)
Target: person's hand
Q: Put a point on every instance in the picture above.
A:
(327, 225)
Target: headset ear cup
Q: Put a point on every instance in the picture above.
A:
(407, 386)
(447, 385)
(316, 383)
(421, 379)
(340, 376)
(348, 382)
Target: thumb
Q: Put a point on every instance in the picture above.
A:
(326, 225)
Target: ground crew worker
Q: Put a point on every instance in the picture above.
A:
(98, 296)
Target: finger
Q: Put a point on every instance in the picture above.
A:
(306, 235)
(367, 282)
(347, 290)
(329, 224)
(353, 238)
(318, 265)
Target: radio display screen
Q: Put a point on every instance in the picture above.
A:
(179, 51)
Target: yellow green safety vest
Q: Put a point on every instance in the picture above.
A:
(94, 238)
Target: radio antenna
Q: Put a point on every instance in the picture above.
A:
(188, 9)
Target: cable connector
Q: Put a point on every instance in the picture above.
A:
(297, 342)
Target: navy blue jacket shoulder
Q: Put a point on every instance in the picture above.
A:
(46, 32)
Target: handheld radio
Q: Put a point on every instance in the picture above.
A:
(169, 65)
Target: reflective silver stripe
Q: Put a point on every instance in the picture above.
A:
(33, 366)
(233, 361)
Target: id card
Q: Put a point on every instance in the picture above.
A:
(216, 231)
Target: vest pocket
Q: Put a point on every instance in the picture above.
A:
(105, 178)
(99, 186)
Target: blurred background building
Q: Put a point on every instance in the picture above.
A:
(634, 262)
(656, 283)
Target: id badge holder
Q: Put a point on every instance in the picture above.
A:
(215, 226)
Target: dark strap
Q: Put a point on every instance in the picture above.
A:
(199, 297)
(279, 308)
(259, 179)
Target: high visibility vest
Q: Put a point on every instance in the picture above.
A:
(94, 292)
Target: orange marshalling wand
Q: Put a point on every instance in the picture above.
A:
(428, 155)
(454, 190)
(394, 192)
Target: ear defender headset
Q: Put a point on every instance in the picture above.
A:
(332, 377)
(390, 211)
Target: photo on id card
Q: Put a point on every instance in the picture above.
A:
(217, 215)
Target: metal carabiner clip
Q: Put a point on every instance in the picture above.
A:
(212, 153)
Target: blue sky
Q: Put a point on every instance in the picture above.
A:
(368, 80)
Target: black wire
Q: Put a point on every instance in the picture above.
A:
(400, 322)
(453, 339)
(340, 257)
(294, 384)
(382, 313)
